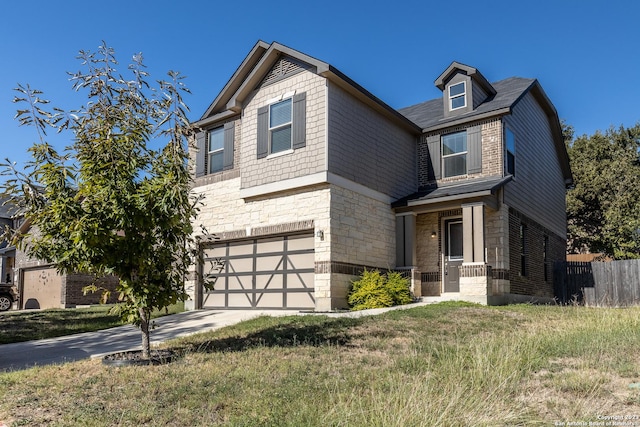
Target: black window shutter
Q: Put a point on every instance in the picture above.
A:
(299, 120)
(435, 158)
(201, 155)
(474, 150)
(263, 132)
(229, 135)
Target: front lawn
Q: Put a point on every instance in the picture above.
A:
(439, 365)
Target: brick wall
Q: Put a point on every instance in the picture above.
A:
(73, 294)
(492, 152)
(533, 282)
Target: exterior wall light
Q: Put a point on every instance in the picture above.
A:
(434, 234)
(320, 234)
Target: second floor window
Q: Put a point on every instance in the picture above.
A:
(511, 152)
(280, 126)
(215, 157)
(454, 154)
(457, 96)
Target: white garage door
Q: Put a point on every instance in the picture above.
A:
(268, 273)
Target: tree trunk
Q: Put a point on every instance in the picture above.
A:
(144, 328)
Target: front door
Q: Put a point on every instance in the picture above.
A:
(452, 254)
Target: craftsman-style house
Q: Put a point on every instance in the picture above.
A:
(307, 178)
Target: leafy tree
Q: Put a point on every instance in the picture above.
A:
(603, 208)
(110, 203)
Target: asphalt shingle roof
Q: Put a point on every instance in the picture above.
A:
(460, 188)
(431, 113)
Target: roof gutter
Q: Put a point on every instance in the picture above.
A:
(468, 119)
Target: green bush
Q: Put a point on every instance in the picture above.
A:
(376, 290)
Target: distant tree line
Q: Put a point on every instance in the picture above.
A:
(603, 206)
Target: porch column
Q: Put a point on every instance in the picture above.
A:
(473, 232)
(475, 274)
(406, 240)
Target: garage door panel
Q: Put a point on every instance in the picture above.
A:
(300, 300)
(239, 265)
(238, 283)
(42, 288)
(269, 300)
(269, 263)
(240, 249)
(216, 252)
(269, 281)
(262, 273)
(300, 243)
(267, 246)
(300, 280)
(299, 261)
(239, 300)
(214, 300)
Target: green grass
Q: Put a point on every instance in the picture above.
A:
(446, 365)
(25, 325)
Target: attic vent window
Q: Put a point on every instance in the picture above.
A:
(457, 96)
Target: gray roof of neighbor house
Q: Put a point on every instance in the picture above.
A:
(429, 115)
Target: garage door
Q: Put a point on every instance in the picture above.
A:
(41, 288)
(273, 273)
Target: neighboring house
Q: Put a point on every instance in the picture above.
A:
(38, 283)
(307, 179)
(7, 252)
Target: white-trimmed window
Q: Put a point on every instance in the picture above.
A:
(511, 152)
(457, 96)
(280, 120)
(215, 151)
(454, 154)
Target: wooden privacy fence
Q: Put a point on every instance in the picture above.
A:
(601, 284)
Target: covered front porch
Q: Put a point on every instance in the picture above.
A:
(455, 241)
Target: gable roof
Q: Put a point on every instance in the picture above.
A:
(430, 116)
(260, 61)
(456, 67)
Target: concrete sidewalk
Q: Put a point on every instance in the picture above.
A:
(122, 338)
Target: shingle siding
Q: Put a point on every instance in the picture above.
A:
(303, 161)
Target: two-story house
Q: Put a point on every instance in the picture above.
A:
(307, 178)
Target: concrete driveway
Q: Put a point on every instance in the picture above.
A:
(122, 338)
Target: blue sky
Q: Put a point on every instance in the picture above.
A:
(584, 53)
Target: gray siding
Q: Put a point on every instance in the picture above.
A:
(257, 167)
(538, 189)
(367, 148)
(478, 94)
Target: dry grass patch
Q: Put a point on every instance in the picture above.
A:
(445, 365)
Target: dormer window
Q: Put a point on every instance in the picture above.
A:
(457, 96)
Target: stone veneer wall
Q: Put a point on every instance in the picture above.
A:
(361, 234)
(227, 215)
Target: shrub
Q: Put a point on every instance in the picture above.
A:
(376, 290)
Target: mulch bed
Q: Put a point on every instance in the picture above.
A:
(133, 358)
